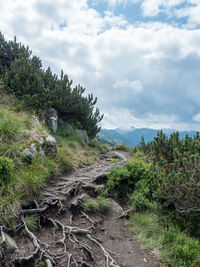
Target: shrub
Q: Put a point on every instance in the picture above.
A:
(122, 147)
(6, 170)
(122, 180)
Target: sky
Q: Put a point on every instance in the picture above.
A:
(141, 58)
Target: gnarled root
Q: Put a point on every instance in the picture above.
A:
(40, 248)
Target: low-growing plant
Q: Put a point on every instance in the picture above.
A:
(10, 127)
(101, 204)
(176, 248)
(122, 180)
(31, 222)
(122, 147)
(64, 163)
(6, 170)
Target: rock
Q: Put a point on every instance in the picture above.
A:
(11, 245)
(115, 207)
(41, 142)
(119, 155)
(100, 177)
(52, 119)
(77, 204)
(83, 133)
(91, 188)
(49, 146)
(30, 152)
(35, 121)
(64, 125)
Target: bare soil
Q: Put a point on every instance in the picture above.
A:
(107, 243)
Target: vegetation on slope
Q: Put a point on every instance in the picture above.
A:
(39, 89)
(161, 182)
(20, 181)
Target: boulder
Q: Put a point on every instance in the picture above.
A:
(35, 121)
(83, 133)
(49, 146)
(11, 245)
(64, 125)
(30, 152)
(52, 119)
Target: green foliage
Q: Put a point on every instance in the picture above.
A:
(122, 180)
(39, 89)
(176, 166)
(10, 127)
(6, 169)
(122, 147)
(101, 204)
(64, 164)
(176, 248)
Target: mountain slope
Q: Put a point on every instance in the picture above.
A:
(133, 137)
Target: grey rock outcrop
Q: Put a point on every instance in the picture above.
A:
(49, 146)
(52, 119)
(35, 121)
(11, 245)
(30, 152)
(83, 133)
(64, 125)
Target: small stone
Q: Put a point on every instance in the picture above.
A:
(11, 245)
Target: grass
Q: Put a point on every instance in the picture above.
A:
(176, 248)
(31, 222)
(18, 131)
(99, 205)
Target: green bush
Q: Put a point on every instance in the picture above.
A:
(122, 147)
(6, 170)
(123, 180)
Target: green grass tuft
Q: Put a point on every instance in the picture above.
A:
(176, 248)
(101, 204)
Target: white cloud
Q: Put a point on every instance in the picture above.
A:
(144, 76)
(196, 117)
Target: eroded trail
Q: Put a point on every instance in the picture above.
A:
(68, 237)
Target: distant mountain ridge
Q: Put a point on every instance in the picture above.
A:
(133, 137)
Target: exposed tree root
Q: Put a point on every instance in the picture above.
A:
(46, 204)
(40, 247)
(70, 189)
(3, 239)
(110, 262)
(89, 219)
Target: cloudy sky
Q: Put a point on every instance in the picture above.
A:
(141, 58)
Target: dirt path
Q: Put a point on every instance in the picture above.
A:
(72, 238)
